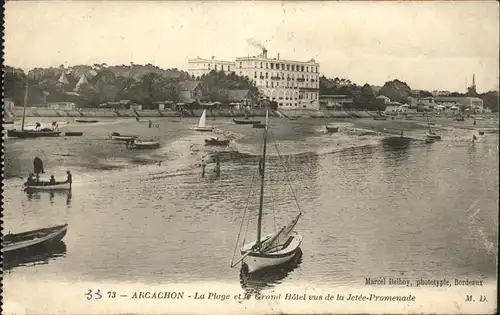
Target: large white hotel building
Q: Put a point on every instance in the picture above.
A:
(292, 84)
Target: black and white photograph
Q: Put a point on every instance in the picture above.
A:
(250, 157)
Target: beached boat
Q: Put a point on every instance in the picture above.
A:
(86, 120)
(37, 133)
(47, 186)
(73, 134)
(202, 123)
(246, 121)
(274, 249)
(259, 126)
(481, 133)
(216, 141)
(32, 240)
(431, 134)
(332, 129)
(119, 137)
(144, 144)
(380, 118)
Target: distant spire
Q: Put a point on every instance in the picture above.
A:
(473, 79)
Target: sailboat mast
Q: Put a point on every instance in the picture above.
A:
(262, 167)
(24, 108)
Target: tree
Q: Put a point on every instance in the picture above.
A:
(396, 90)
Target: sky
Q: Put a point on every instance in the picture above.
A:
(429, 45)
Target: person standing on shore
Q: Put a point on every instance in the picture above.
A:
(217, 164)
(69, 179)
(37, 167)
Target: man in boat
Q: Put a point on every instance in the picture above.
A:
(38, 125)
(150, 123)
(30, 180)
(401, 133)
(52, 180)
(37, 167)
(69, 179)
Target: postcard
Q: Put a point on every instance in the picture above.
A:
(239, 157)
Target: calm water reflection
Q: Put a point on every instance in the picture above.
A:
(374, 210)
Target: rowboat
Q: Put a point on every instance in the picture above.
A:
(86, 120)
(216, 141)
(73, 134)
(47, 186)
(144, 144)
(246, 121)
(332, 129)
(202, 126)
(432, 135)
(18, 243)
(379, 118)
(119, 137)
(259, 126)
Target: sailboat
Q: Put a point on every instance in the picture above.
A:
(274, 249)
(202, 125)
(431, 135)
(45, 132)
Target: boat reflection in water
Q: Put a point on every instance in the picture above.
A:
(36, 195)
(255, 282)
(37, 256)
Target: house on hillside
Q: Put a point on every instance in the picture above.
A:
(335, 102)
(190, 91)
(240, 97)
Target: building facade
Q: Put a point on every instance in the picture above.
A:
(292, 84)
(200, 66)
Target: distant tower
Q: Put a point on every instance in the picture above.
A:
(471, 90)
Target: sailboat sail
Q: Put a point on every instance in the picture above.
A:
(203, 118)
(282, 235)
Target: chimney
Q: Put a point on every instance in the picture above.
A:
(213, 57)
(264, 53)
(278, 56)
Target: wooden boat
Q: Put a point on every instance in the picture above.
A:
(380, 118)
(259, 126)
(246, 121)
(216, 141)
(23, 134)
(47, 186)
(273, 249)
(86, 120)
(481, 133)
(202, 124)
(119, 137)
(431, 134)
(73, 134)
(332, 129)
(144, 144)
(32, 240)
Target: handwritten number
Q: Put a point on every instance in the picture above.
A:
(98, 294)
(111, 294)
(89, 295)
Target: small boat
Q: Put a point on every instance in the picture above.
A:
(144, 144)
(430, 140)
(119, 137)
(216, 141)
(490, 130)
(259, 126)
(47, 186)
(460, 118)
(86, 120)
(202, 124)
(332, 129)
(481, 133)
(380, 118)
(431, 134)
(37, 133)
(275, 249)
(73, 134)
(14, 244)
(246, 121)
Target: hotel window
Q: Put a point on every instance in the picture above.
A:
(208, 66)
(272, 65)
(255, 64)
(228, 68)
(267, 65)
(272, 84)
(241, 64)
(287, 67)
(266, 75)
(283, 66)
(302, 69)
(215, 67)
(267, 84)
(255, 75)
(293, 67)
(261, 64)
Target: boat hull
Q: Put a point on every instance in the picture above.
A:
(86, 121)
(203, 129)
(379, 118)
(24, 134)
(432, 136)
(58, 186)
(255, 261)
(123, 138)
(145, 145)
(246, 122)
(332, 129)
(216, 142)
(259, 126)
(16, 244)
